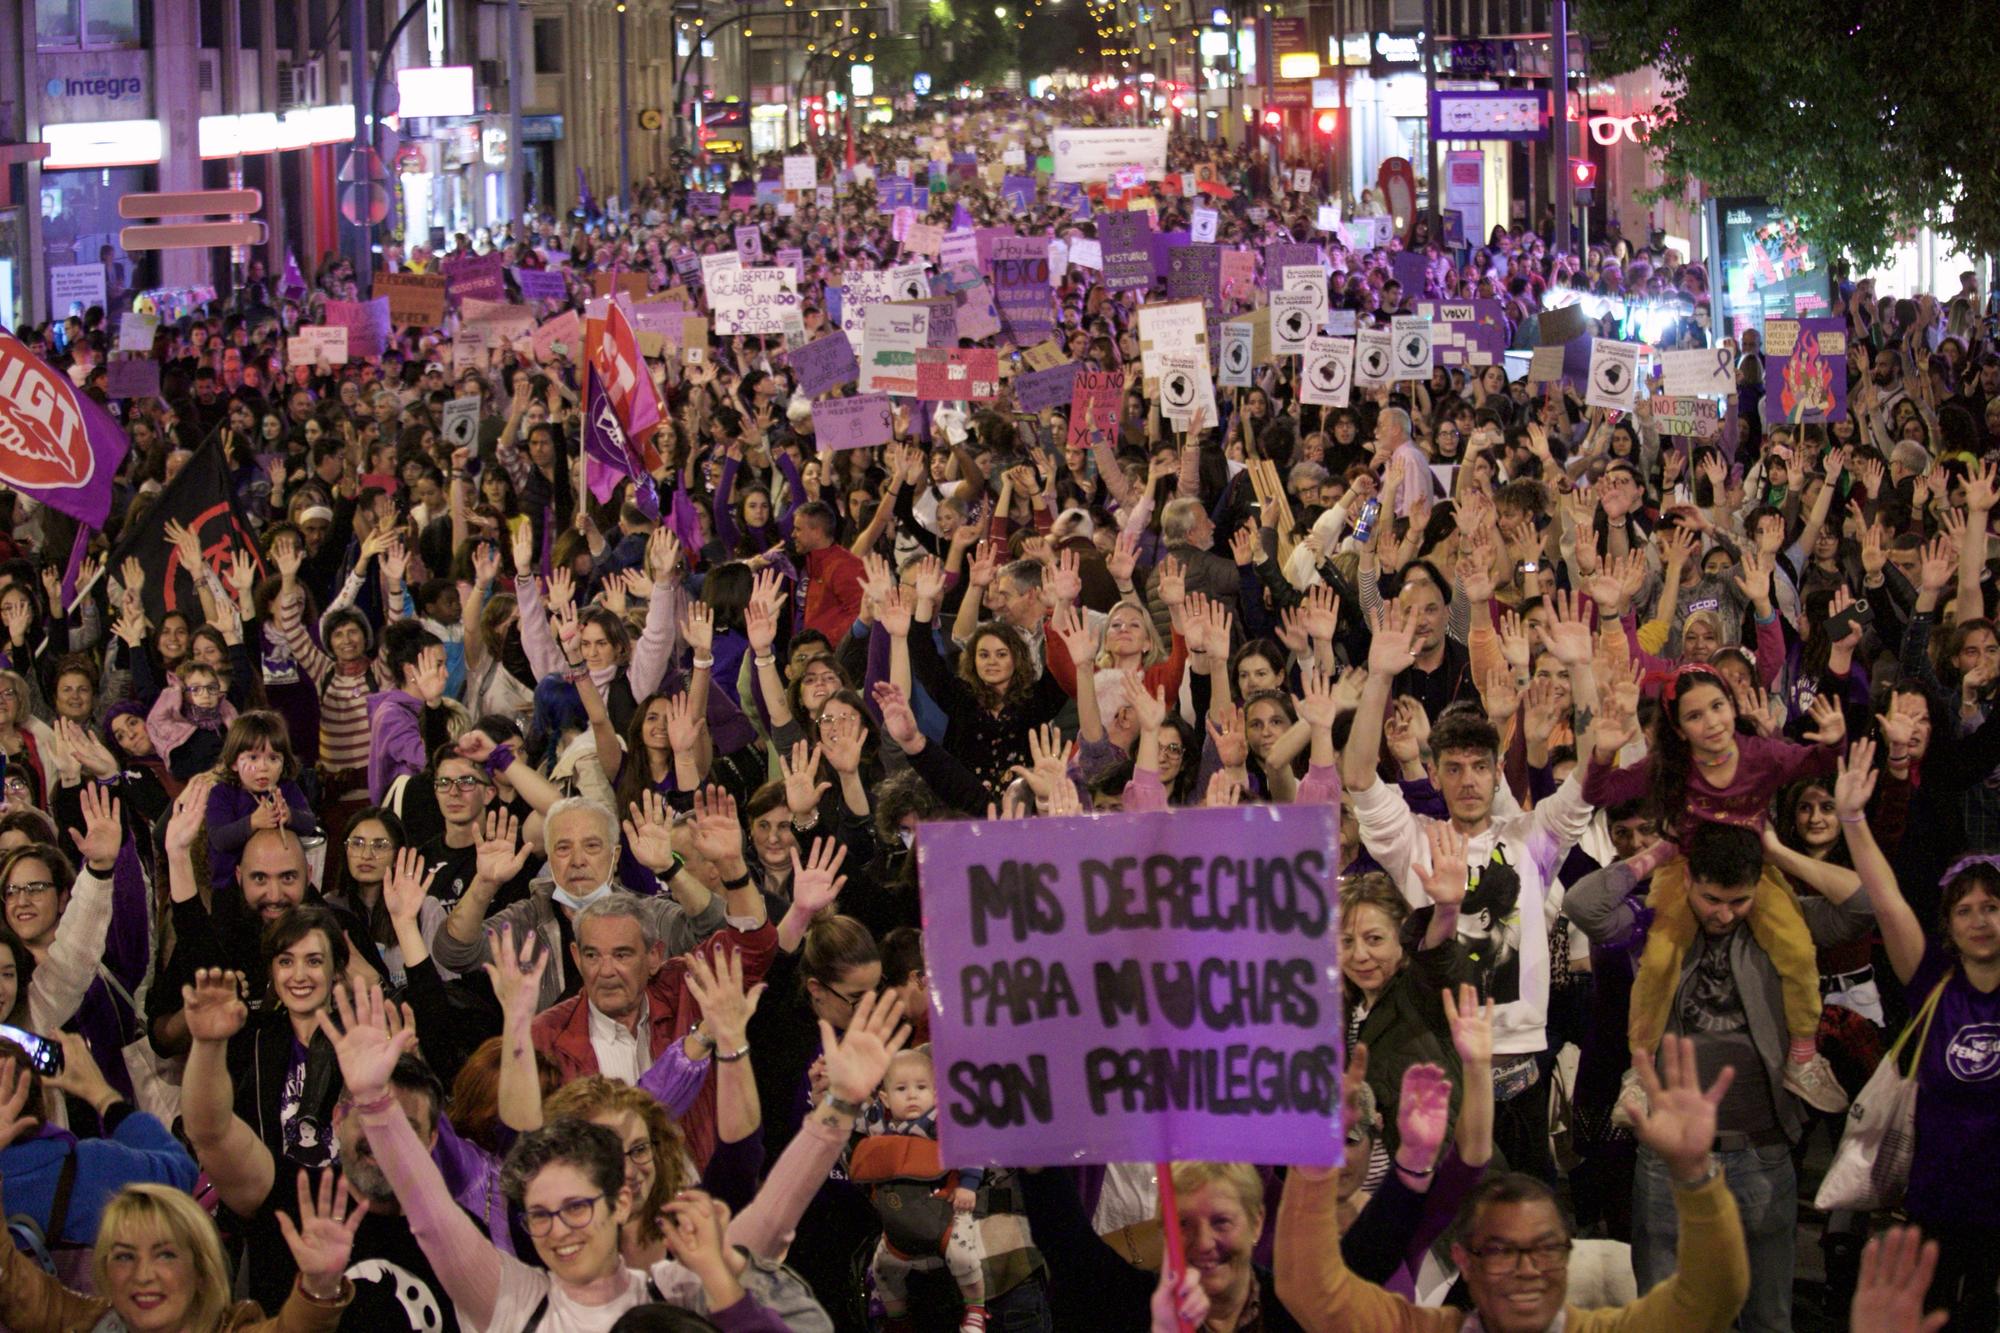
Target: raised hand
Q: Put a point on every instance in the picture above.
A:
(363, 1040)
(1445, 879)
(213, 1007)
(899, 723)
(1471, 1025)
(516, 975)
(717, 834)
(500, 854)
(857, 1058)
(1179, 1303)
(1677, 1120)
(1829, 723)
(1393, 648)
(1854, 783)
(407, 884)
(103, 828)
(760, 627)
(1568, 632)
(1423, 1117)
(1173, 582)
(896, 612)
(1321, 613)
(1232, 744)
(649, 832)
(1317, 706)
(432, 675)
(698, 628)
(323, 1238)
(840, 740)
(1500, 695)
(802, 787)
(817, 881)
(1896, 1271)
(190, 813)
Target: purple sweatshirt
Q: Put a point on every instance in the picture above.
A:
(396, 720)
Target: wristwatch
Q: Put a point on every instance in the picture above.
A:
(835, 1102)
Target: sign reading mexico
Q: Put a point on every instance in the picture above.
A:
(1114, 988)
(1087, 156)
(55, 445)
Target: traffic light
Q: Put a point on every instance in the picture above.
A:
(1582, 173)
(1131, 99)
(1274, 125)
(1326, 122)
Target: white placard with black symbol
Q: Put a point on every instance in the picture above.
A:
(1614, 375)
(460, 422)
(1411, 347)
(1326, 372)
(1308, 278)
(908, 282)
(1201, 227)
(1187, 394)
(1374, 362)
(1295, 317)
(1302, 181)
(1237, 337)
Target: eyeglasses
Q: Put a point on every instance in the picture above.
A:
(850, 1000)
(464, 784)
(358, 844)
(575, 1213)
(638, 1154)
(1172, 750)
(203, 691)
(32, 889)
(1497, 1258)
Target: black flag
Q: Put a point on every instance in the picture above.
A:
(199, 496)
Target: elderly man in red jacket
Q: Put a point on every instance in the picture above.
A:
(635, 1005)
(829, 592)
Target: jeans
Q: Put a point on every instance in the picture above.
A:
(1765, 1187)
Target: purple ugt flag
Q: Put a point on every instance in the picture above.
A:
(56, 445)
(608, 454)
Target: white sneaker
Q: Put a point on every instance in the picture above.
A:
(1630, 1094)
(1814, 1084)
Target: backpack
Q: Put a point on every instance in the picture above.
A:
(30, 1238)
(910, 1187)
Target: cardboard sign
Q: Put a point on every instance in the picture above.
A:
(1127, 244)
(756, 301)
(468, 350)
(1187, 392)
(324, 344)
(1039, 390)
(1328, 220)
(1412, 346)
(890, 340)
(1043, 355)
(1239, 274)
(1094, 407)
(367, 324)
(630, 284)
(415, 299)
(1698, 418)
(559, 337)
(714, 266)
(538, 284)
(459, 422)
(1136, 987)
(1559, 326)
(132, 377)
(1087, 254)
(1374, 359)
(958, 374)
(853, 423)
(1546, 365)
(136, 332)
(1326, 372)
(476, 277)
(801, 172)
(1614, 375)
(1699, 370)
(1177, 327)
(1295, 317)
(823, 364)
(1234, 360)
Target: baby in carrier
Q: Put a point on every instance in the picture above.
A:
(927, 1211)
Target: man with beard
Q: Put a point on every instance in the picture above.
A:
(394, 1286)
(228, 932)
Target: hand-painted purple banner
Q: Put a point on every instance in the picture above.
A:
(1018, 193)
(1194, 273)
(1282, 254)
(1466, 333)
(824, 363)
(541, 284)
(853, 423)
(1128, 251)
(478, 277)
(1021, 288)
(1040, 390)
(56, 445)
(1809, 383)
(1137, 987)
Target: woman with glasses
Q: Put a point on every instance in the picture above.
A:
(570, 1181)
(373, 838)
(25, 739)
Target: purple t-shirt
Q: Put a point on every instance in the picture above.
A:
(1958, 1101)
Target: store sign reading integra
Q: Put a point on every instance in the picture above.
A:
(111, 88)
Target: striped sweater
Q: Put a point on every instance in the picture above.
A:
(343, 696)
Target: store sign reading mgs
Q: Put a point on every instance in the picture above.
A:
(110, 87)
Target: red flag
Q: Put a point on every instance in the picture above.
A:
(622, 371)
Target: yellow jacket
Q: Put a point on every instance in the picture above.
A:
(1320, 1292)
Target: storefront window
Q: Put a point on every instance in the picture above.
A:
(80, 225)
(60, 23)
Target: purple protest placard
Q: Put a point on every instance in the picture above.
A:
(1194, 273)
(1021, 288)
(1466, 333)
(540, 284)
(367, 323)
(477, 277)
(1128, 251)
(824, 363)
(1018, 192)
(705, 204)
(1808, 382)
(1040, 390)
(132, 377)
(1411, 269)
(1282, 254)
(1136, 987)
(853, 423)
(894, 192)
(1070, 195)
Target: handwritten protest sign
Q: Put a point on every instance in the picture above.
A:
(132, 377)
(1698, 370)
(136, 332)
(1698, 418)
(971, 374)
(853, 423)
(367, 325)
(801, 172)
(891, 337)
(561, 336)
(1807, 382)
(1093, 406)
(1021, 287)
(414, 298)
(824, 363)
(476, 277)
(1039, 390)
(1128, 251)
(1138, 987)
(538, 284)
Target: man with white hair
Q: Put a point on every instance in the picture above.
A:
(582, 840)
(1392, 442)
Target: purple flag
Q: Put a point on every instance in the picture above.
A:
(74, 570)
(1136, 987)
(295, 282)
(961, 218)
(56, 445)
